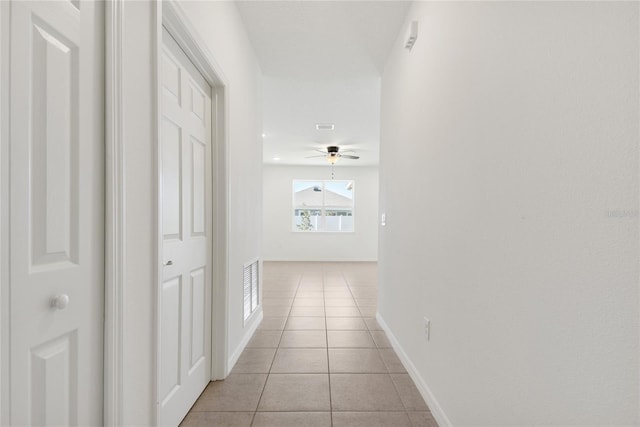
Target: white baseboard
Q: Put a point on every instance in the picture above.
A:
(427, 395)
(245, 340)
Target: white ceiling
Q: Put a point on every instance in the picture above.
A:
(321, 62)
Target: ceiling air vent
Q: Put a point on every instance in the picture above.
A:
(325, 126)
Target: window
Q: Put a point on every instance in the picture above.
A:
(323, 206)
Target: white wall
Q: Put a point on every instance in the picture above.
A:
(509, 174)
(219, 24)
(280, 243)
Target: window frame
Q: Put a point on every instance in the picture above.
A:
(321, 225)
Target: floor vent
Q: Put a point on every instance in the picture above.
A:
(251, 283)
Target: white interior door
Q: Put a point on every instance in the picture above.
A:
(185, 289)
(56, 212)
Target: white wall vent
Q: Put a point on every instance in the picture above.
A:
(251, 284)
(325, 126)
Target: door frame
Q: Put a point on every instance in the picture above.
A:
(114, 217)
(5, 11)
(168, 14)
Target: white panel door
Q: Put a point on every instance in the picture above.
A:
(185, 288)
(56, 249)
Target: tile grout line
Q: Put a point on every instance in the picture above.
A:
(361, 316)
(326, 335)
(406, 412)
(253, 418)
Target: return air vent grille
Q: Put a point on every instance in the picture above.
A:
(251, 283)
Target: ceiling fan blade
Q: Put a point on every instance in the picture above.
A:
(321, 151)
(347, 156)
(311, 157)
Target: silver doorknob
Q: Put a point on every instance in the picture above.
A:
(60, 302)
(168, 263)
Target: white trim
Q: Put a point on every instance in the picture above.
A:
(427, 395)
(220, 316)
(5, 402)
(114, 218)
(256, 319)
(156, 108)
(181, 29)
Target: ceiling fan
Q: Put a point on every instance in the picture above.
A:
(332, 153)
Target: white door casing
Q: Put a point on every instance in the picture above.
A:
(56, 212)
(184, 294)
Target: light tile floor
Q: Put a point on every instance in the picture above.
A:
(318, 359)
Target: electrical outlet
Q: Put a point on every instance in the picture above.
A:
(427, 329)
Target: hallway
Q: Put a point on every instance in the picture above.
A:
(319, 358)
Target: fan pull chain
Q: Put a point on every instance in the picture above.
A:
(332, 172)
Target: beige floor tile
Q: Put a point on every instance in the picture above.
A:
(335, 292)
(346, 324)
(300, 361)
(339, 302)
(358, 282)
(310, 294)
(335, 285)
(305, 323)
(295, 392)
(307, 312)
(254, 361)
(308, 302)
(392, 361)
(277, 302)
(281, 287)
(364, 392)
(239, 392)
(305, 339)
(272, 323)
(422, 419)
(368, 310)
(371, 419)
(350, 339)
(218, 419)
(363, 292)
(276, 311)
(372, 324)
(411, 397)
(380, 337)
(292, 419)
(311, 286)
(342, 312)
(366, 301)
(355, 360)
(338, 296)
(278, 294)
(265, 339)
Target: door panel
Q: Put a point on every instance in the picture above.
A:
(57, 209)
(197, 338)
(185, 297)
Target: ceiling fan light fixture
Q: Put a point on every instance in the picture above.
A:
(332, 159)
